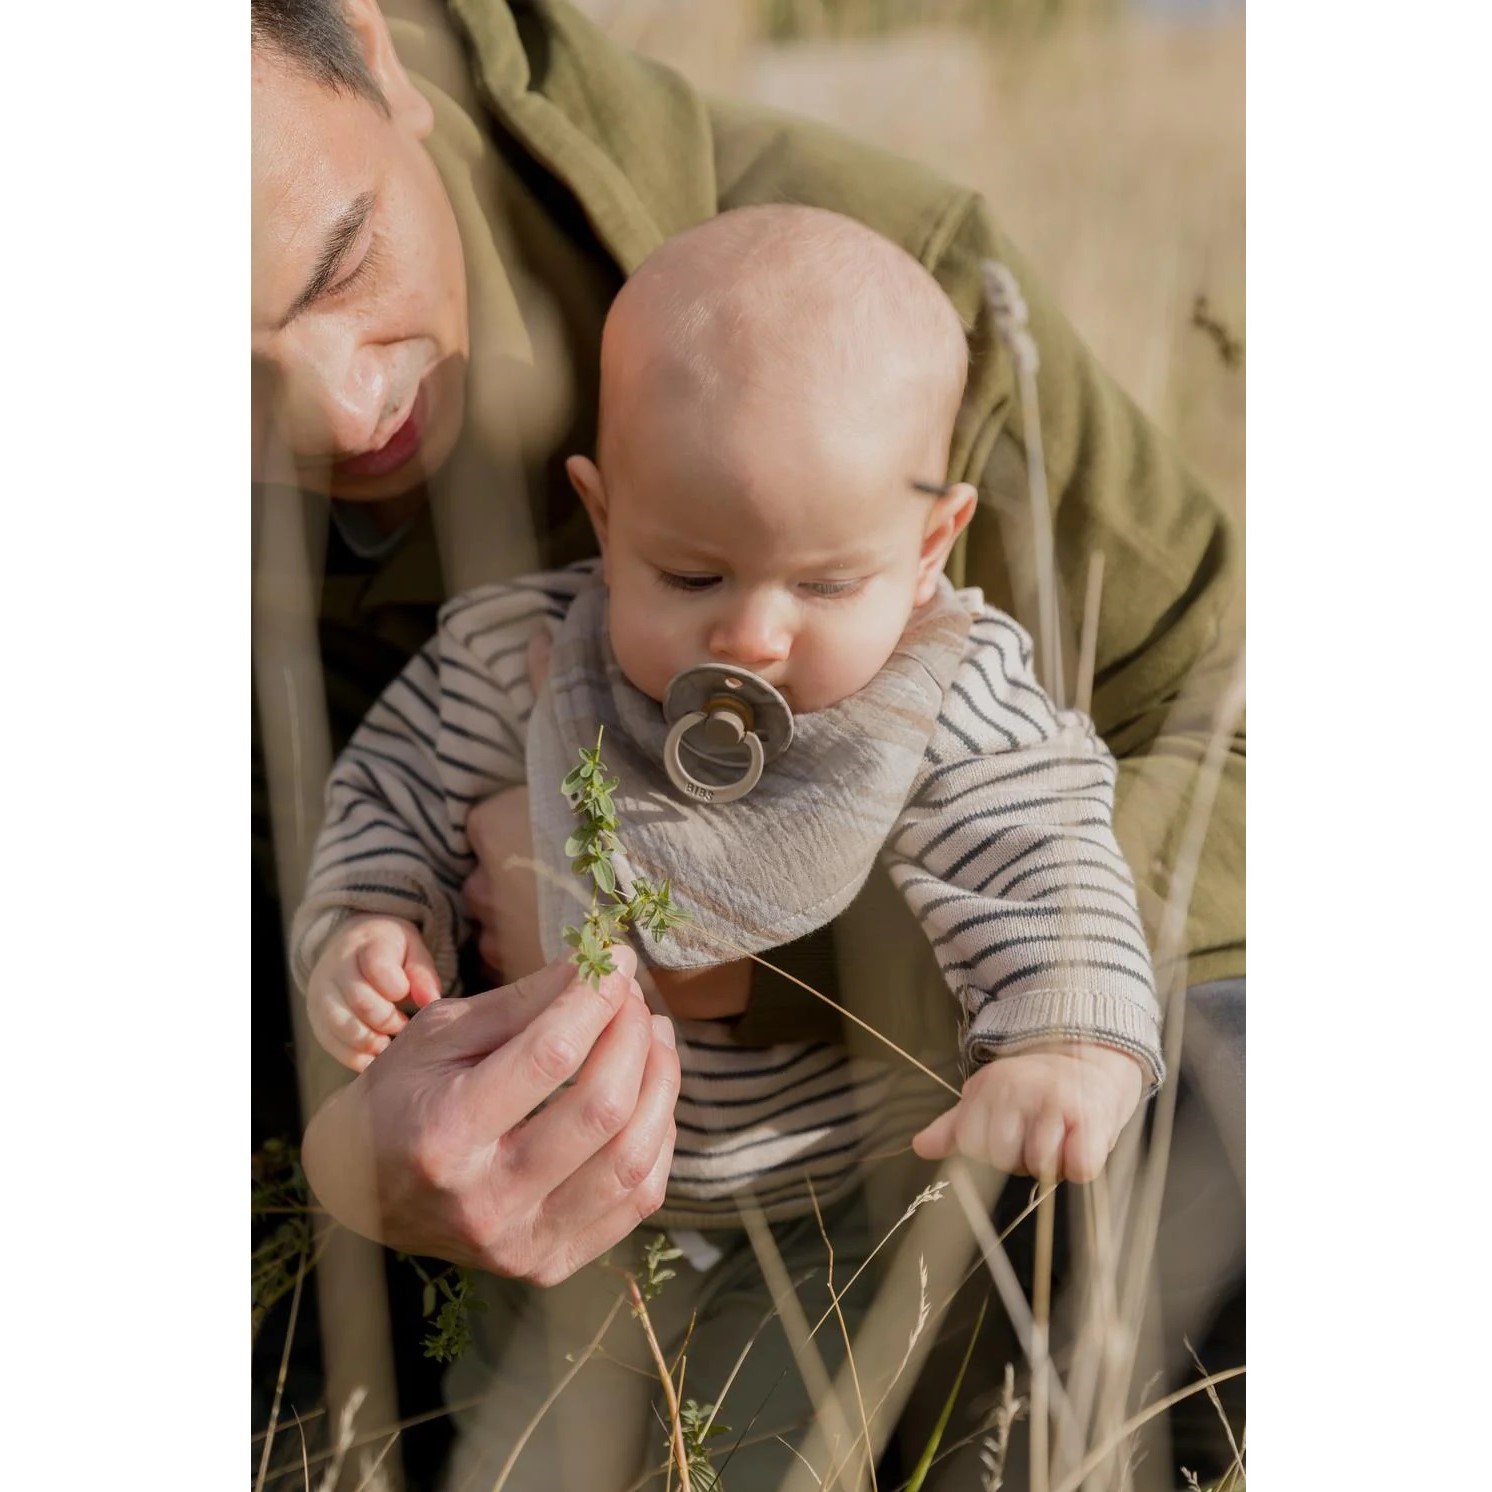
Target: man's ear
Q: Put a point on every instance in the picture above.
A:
(407, 105)
(948, 518)
(585, 478)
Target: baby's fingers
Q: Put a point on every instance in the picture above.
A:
(370, 1007)
(1086, 1151)
(1042, 1152)
(936, 1141)
(424, 982)
(352, 1043)
(381, 963)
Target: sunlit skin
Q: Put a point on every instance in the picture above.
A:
(788, 554)
(359, 391)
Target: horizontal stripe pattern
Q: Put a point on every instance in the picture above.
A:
(1006, 855)
(1004, 851)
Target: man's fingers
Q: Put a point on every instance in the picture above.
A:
(558, 1017)
(590, 1242)
(479, 1026)
(476, 893)
(593, 1180)
(544, 1153)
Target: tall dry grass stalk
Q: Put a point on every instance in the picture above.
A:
(289, 542)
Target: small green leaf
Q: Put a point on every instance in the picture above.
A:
(427, 1300)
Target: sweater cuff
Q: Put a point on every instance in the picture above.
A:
(324, 911)
(1036, 1017)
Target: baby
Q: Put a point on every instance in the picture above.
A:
(773, 383)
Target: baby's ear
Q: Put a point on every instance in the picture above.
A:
(947, 519)
(585, 478)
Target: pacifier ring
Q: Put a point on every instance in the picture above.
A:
(723, 711)
(686, 782)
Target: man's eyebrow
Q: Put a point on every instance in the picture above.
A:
(339, 242)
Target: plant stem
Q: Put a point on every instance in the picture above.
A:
(681, 1456)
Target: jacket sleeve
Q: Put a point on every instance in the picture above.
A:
(1170, 623)
(1007, 857)
(446, 734)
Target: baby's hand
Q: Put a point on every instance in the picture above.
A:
(1054, 1113)
(368, 965)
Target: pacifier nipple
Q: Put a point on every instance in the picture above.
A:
(717, 714)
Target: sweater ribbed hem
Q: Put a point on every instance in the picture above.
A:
(1005, 1027)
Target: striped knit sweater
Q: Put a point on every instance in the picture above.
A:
(1004, 851)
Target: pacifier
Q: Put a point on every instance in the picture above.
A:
(728, 718)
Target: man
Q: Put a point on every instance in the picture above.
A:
(444, 205)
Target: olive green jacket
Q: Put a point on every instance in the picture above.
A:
(572, 160)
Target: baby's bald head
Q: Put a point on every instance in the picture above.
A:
(794, 312)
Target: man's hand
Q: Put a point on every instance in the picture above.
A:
(368, 967)
(436, 1148)
(1054, 1113)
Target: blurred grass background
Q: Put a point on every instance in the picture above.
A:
(1107, 136)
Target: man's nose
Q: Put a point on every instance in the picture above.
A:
(336, 396)
(753, 633)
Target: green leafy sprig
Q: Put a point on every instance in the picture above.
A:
(694, 1420)
(279, 1191)
(588, 787)
(655, 1257)
(451, 1290)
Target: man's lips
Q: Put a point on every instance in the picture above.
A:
(394, 452)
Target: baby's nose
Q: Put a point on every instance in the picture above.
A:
(752, 638)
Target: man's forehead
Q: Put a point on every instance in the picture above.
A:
(313, 155)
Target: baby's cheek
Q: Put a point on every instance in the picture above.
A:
(646, 654)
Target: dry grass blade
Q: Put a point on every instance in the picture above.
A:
(1098, 1346)
(933, 1193)
(1096, 1457)
(730, 1377)
(652, 871)
(1088, 647)
(274, 1408)
(1217, 1404)
(795, 1326)
(930, 1450)
(849, 1346)
(346, 1438)
(1008, 307)
(670, 1394)
(565, 1380)
(1170, 945)
(305, 1459)
(378, 1460)
(818, 1480)
(995, 1448)
(1006, 1283)
(1041, 1325)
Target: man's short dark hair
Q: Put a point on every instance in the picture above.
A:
(314, 35)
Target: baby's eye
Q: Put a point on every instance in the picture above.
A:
(687, 582)
(828, 589)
